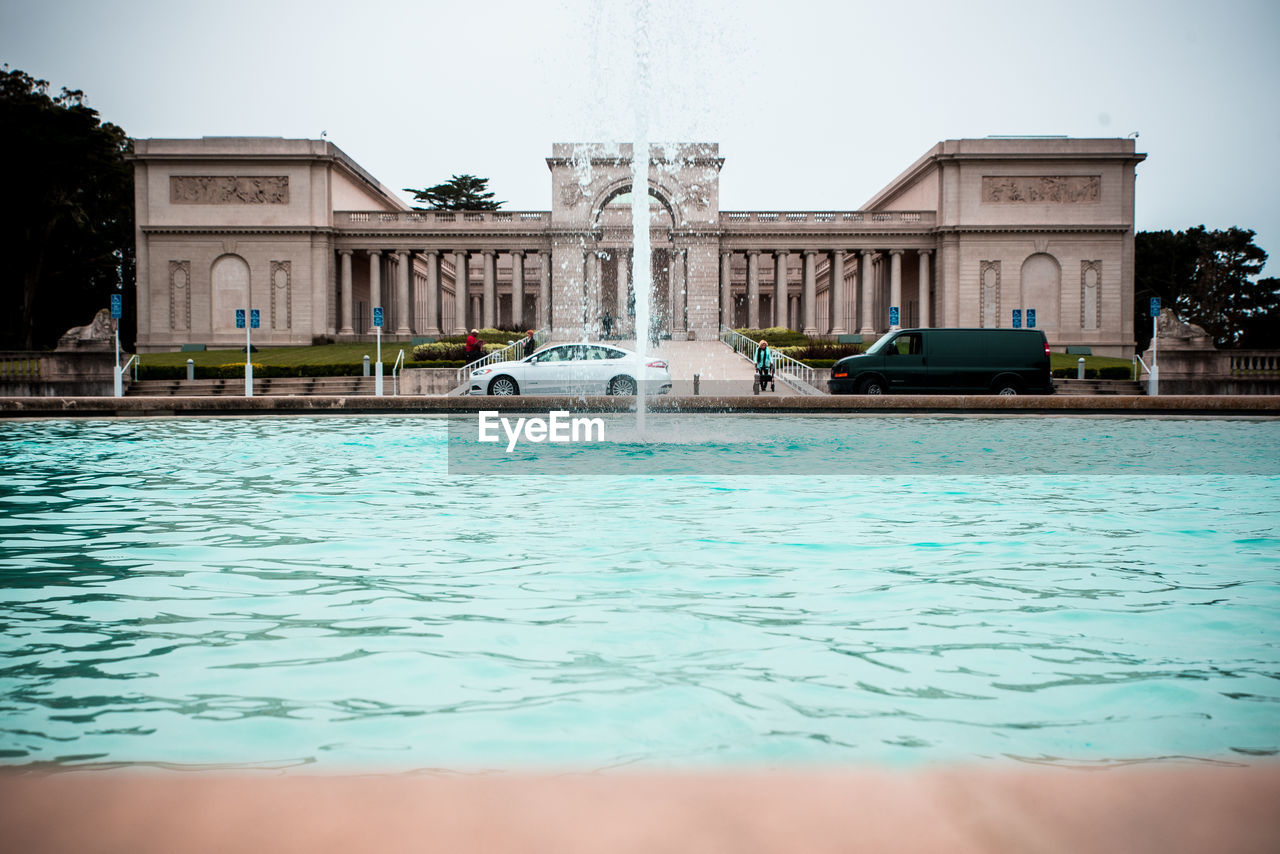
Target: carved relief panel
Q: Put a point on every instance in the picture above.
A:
(180, 295)
(281, 295)
(1090, 294)
(989, 289)
(229, 190)
(1041, 189)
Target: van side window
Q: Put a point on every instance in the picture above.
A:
(906, 345)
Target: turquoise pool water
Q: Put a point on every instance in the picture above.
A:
(250, 592)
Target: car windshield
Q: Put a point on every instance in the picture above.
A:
(879, 346)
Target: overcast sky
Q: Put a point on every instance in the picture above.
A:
(816, 105)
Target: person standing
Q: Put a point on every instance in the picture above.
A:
(530, 344)
(475, 347)
(764, 364)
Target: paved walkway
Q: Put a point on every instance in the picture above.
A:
(721, 371)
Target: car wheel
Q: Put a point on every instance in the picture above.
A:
(871, 386)
(1006, 388)
(624, 386)
(504, 386)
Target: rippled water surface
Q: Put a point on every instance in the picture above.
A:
(283, 592)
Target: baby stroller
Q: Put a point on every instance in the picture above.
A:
(764, 377)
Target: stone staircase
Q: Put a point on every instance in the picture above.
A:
(281, 386)
(1086, 387)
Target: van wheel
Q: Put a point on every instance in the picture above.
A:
(871, 386)
(1006, 387)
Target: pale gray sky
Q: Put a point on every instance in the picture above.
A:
(816, 105)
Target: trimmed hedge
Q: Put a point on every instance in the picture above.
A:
(777, 336)
(821, 350)
(266, 372)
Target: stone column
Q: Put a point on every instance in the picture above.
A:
(680, 291)
(460, 292)
(780, 303)
(924, 288)
(375, 284)
(895, 282)
(620, 322)
(403, 309)
(726, 289)
(517, 288)
(345, 325)
(810, 292)
(793, 316)
(837, 293)
(544, 289)
(753, 289)
(433, 292)
(865, 275)
(490, 305)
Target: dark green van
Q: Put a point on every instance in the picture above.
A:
(941, 361)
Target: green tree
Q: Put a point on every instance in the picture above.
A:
(67, 228)
(459, 193)
(1207, 277)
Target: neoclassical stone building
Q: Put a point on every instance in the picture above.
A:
(973, 231)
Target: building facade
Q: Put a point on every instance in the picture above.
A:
(976, 232)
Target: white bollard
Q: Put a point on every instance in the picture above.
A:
(1080, 368)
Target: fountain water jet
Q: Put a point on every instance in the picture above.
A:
(642, 274)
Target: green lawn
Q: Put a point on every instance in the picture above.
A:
(1057, 361)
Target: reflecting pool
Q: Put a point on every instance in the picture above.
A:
(284, 592)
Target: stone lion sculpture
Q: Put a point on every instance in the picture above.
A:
(92, 336)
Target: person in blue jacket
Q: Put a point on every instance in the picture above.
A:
(764, 364)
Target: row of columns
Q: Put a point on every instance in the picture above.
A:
(677, 291)
(863, 258)
(462, 295)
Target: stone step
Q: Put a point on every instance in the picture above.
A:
(1083, 387)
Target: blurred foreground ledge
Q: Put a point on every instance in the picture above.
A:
(1129, 405)
(955, 810)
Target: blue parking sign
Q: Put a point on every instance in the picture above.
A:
(1155, 306)
(1031, 318)
(239, 318)
(253, 318)
(1017, 318)
(117, 306)
(893, 315)
(377, 315)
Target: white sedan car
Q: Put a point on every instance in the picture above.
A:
(574, 369)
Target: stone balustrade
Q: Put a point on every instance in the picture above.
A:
(416, 220)
(829, 219)
(1254, 363)
(1207, 371)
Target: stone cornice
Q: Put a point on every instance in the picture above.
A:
(1112, 228)
(218, 230)
(717, 162)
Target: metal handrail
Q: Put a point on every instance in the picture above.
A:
(782, 363)
(506, 354)
(1153, 375)
(395, 374)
